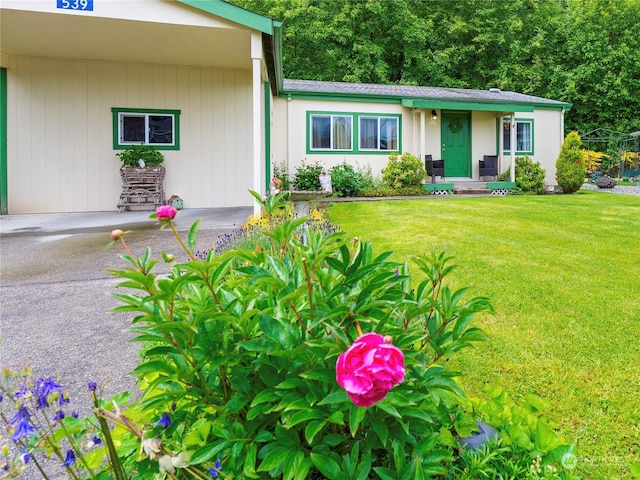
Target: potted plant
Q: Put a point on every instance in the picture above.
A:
(142, 176)
(141, 156)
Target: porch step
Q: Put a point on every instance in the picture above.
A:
(470, 188)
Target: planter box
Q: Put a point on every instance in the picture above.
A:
(445, 188)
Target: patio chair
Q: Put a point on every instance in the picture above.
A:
(434, 168)
(489, 166)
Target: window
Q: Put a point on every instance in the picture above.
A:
(352, 132)
(331, 132)
(524, 136)
(159, 128)
(378, 133)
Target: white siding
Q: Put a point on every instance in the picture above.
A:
(289, 136)
(60, 153)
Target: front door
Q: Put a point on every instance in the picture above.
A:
(456, 145)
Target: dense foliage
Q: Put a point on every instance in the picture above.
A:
(570, 171)
(582, 52)
(404, 171)
(529, 175)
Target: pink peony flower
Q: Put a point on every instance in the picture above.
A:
(166, 212)
(369, 369)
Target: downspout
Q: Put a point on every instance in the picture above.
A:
(512, 146)
(3, 142)
(256, 106)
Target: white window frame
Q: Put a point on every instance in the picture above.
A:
(378, 118)
(507, 145)
(332, 146)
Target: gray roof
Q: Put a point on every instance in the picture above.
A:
(414, 92)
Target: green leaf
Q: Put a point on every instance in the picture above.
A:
(275, 458)
(327, 466)
(339, 396)
(385, 473)
(312, 429)
(635, 470)
(356, 414)
(193, 233)
(208, 452)
(303, 416)
(381, 430)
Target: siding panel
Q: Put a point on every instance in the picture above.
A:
(60, 153)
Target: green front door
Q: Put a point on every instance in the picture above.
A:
(456, 144)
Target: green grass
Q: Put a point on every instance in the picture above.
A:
(563, 272)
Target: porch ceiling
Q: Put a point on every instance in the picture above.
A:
(40, 34)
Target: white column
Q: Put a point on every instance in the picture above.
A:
(257, 127)
(423, 139)
(512, 147)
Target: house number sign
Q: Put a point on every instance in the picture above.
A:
(86, 5)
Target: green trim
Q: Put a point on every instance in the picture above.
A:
(236, 14)
(3, 142)
(276, 40)
(453, 105)
(437, 187)
(500, 185)
(267, 134)
(355, 138)
(501, 122)
(343, 97)
(115, 111)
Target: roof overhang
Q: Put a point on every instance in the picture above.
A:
(451, 105)
(198, 33)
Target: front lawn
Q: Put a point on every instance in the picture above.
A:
(563, 272)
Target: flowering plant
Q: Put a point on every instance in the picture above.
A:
(242, 349)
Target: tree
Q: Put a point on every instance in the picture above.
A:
(570, 171)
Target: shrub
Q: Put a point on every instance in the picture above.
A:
(404, 171)
(246, 346)
(570, 171)
(529, 175)
(386, 191)
(307, 177)
(605, 182)
(345, 180)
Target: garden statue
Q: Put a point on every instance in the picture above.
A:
(325, 182)
(275, 186)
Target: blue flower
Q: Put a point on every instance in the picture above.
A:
(70, 459)
(91, 386)
(75, 414)
(25, 456)
(165, 420)
(96, 440)
(21, 414)
(58, 416)
(215, 470)
(45, 387)
(23, 429)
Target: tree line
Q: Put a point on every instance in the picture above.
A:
(585, 52)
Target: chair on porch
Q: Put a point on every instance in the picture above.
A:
(489, 166)
(434, 168)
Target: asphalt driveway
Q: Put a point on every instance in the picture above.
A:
(54, 292)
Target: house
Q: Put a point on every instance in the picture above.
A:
(74, 74)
